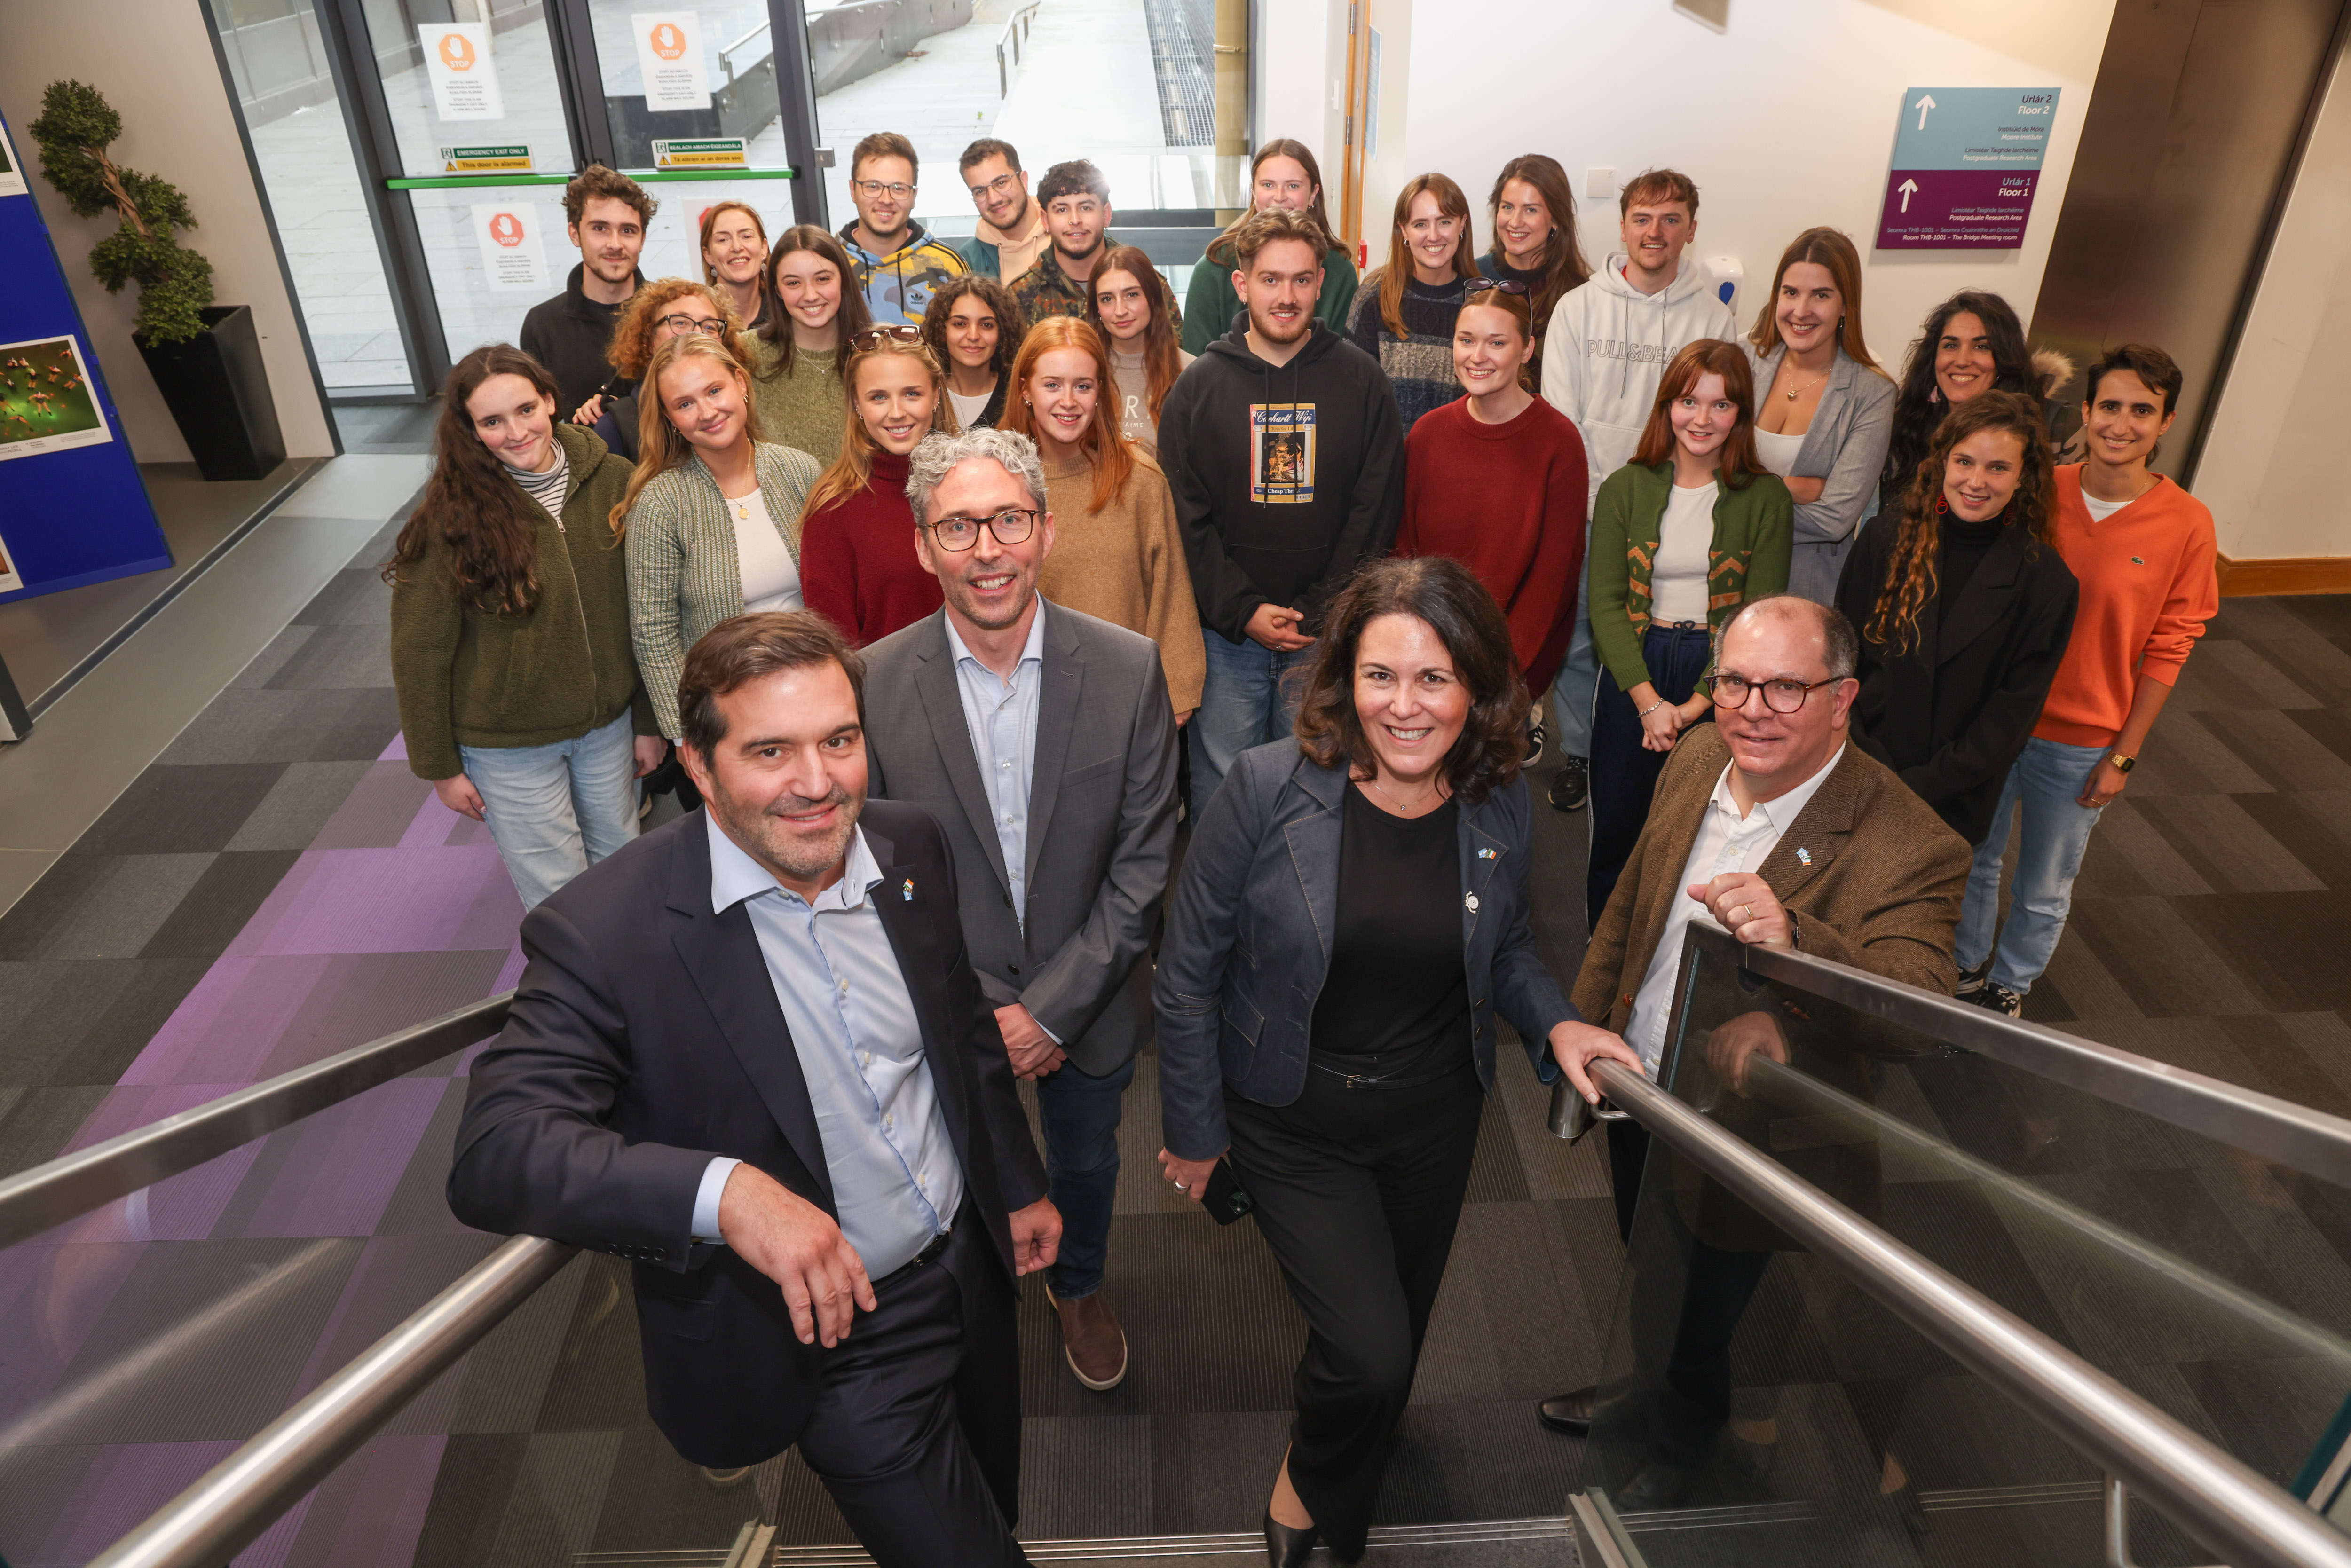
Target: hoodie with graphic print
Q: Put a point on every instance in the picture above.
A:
(1607, 348)
(898, 287)
(1285, 477)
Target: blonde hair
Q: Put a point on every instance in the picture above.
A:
(661, 445)
(853, 469)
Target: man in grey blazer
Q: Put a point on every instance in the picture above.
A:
(1044, 743)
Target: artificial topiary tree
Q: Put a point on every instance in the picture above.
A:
(174, 285)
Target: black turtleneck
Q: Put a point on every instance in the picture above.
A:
(1965, 545)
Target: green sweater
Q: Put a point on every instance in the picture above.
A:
(1211, 307)
(467, 678)
(1754, 530)
(807, 409)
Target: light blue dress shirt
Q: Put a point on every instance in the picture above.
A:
(1001, 716)
(896, 1182)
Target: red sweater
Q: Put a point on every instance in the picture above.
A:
(1507, 502)
(858, 567)
(2147, 587)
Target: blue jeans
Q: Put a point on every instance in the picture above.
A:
(2045, 779)
(1081, 1116)
(1568, 720)
(1244, 702)
(1623, 772)
(555, 811)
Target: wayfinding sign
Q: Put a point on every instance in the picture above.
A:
(1966, 160)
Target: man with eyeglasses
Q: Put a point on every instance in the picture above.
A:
(1766, 823)
(1012, 233)
(899, 264)
(1044, 743)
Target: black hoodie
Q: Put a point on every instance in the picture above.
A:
(1284, 475)
(568, 334)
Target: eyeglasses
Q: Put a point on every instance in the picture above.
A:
(876, 188)
(1000, 185)
(873, 336)
(1507, 285)
(1779, 696)
(684, 323)
(1010, 526)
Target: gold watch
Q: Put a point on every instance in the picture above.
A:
(2122, 764)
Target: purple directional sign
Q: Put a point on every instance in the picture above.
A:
(1946, 209)
(1966, 161)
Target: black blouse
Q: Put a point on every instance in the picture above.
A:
(1395, 1002)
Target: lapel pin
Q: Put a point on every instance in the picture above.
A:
(907, 890)
(1804, 857)
(1470, 903)
(1485, 854)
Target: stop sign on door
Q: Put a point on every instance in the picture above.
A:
(506, 229)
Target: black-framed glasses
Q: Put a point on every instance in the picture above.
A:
(682, 323)
(898, 333)
(1011, 527)
(1779, 695)
(1481, 285)
(998, 186)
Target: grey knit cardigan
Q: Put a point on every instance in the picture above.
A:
(683, 574)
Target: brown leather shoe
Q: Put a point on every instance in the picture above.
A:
(1092, 1339)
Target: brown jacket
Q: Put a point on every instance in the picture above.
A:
(1881, 891)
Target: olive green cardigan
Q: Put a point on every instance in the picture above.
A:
(464, 677)
(1754, 532)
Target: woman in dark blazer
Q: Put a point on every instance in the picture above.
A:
(1350, 920)
(1964, 607)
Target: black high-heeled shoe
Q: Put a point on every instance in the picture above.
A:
(1285, 1547)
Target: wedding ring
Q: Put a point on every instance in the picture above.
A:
(1181, 1187)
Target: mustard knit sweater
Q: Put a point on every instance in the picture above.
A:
(1124, 564)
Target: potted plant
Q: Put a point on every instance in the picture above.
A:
(205, 358)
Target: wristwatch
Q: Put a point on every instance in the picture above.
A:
(2122, 764)
(1794, 936)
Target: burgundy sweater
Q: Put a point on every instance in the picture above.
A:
(1507, 502)
(858, 567)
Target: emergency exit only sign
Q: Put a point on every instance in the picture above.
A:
(1966, 161)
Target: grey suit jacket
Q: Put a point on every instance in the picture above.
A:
(1102, 821)
(1248, 940)
(1845, 447)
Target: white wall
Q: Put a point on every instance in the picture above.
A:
(155, 63)
(1785, 117)
(2271, 469)
(1293, 66)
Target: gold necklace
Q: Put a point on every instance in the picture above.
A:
(1399, 805)
(1813, 382)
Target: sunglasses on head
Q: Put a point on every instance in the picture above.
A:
(1507, 285)
(873, 336)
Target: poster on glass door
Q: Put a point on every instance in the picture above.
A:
(668, 54)
(464, 78)
(513, 256)
(47, 403)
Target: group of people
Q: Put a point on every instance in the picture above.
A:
(926, 571)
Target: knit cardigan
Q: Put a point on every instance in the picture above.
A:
(1124, 564)
(464, 677)
(860, 570)
(1754, 530)
(684, 576)
(1419, 364)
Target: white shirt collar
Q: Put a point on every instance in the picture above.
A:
(736, 876)
(1781, 810)
(1034, 648)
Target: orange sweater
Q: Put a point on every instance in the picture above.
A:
(2149, 586)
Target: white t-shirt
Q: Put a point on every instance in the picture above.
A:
(1778, 451)
(2101, 510)
(771, 579)
(967, 409)
(1677, 582)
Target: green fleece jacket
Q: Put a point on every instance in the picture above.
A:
(1754, 530)
(466, 678)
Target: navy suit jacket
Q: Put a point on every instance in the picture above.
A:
(645, 1039)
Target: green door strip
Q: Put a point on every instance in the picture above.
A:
(643, 176)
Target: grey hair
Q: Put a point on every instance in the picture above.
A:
(1844, 643)
(937, 454)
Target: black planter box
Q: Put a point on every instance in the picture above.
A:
(218, 393)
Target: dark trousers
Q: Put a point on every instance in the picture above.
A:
(1623, 772)
(1358, 1192)
(1079, 1114)
(916, 1433)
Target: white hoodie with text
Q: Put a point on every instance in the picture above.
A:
(1606, 348)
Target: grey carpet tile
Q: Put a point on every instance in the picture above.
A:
(2228, 849)
(354, 596)
(36, 1127)
(344, 653)
(302, 800)
(217, 906)
(260, 724)
(2163, 958)
(284, 646)
(1086, 1475)
(656, 1502)
(377, 812)
(2137, 857)
(505, 1379)
(2280, 749)
(419, 1202)
(99, 906)
(2225, 674)
(361, 996)
(1466, 1461)
(2185, 755)
(82, 1021)
(550, 1512)
(170, 810)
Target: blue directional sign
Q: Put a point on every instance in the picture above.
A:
(1966, 163)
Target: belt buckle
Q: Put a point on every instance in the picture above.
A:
(1357, 1081)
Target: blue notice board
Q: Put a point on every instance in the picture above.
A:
(73, 506)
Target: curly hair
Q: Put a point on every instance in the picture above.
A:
(632, 348)
(992, 294)
(1447, 598)
(1104, 447)
(1918, 407)
(480, 515)
(1910, 577)
(595, 180)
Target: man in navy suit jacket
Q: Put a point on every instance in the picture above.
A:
(749, 1054)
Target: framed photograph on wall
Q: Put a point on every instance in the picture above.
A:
(47, 402)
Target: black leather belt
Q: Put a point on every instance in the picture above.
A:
(929, 1254)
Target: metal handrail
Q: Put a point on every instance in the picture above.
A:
(72, 1184)
(1016, 30)
(2208, 1492)
(2312, 1142)
(229, 1507)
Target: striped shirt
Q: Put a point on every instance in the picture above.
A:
(549, 490)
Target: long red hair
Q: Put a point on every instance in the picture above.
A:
(1740, 465)
(1104, 447)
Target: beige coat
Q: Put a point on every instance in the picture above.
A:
(1125, 564)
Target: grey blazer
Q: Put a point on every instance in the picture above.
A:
(1248, 940)
(1846, 445)
(1102, 821)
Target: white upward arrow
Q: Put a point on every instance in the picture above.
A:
(1908, 188)
(1926, 101)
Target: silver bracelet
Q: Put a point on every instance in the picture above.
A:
(1651, 708)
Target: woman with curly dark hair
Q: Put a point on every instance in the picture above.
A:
(1971, 344)
(972, 329)
(519, 693)
(1965, 607)
(1351, 920)
(666, 308)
